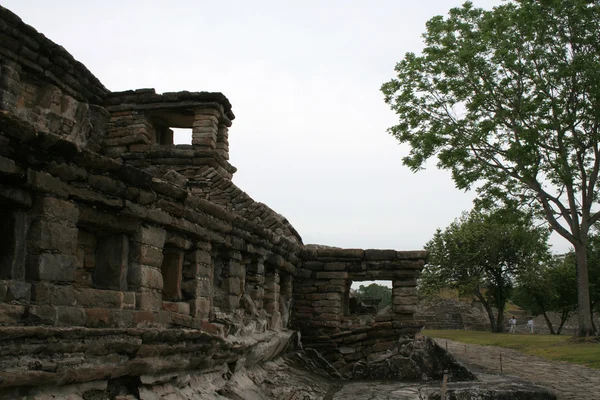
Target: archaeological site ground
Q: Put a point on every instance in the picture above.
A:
(134, 268)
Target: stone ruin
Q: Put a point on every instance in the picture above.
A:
(131, 267)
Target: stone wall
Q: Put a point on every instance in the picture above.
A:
(322, 293)
(453, 314)
(44, 85)
(126, 259)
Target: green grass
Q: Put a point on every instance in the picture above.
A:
(552, 347)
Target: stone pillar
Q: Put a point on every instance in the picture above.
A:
(272, 297)
(223, 141)
(234, 278)
(145, 275)
(198, 280)
(205, 127)
(404, 299)
(285, 298)
(52, 241)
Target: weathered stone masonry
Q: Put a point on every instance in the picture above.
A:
(125, 256)
(321, 301)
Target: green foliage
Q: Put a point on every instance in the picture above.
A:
(551, 287)
(508, 100)
(480, 254)
(376, 291)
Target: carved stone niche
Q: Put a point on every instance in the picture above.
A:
(13, 231)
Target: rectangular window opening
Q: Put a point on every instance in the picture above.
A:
(181, 135)
(370, 297)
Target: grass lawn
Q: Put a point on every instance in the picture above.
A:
(563, 348)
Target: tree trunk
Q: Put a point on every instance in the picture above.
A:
(500, 320)
(584, 309)
(549, 323)
(563, 318)
(488, 309)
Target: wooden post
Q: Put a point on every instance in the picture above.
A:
(444, 385)
(446, 345)
(500, 362)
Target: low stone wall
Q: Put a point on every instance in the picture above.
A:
(452, 314)
(321, 301)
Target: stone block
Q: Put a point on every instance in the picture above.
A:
(56, 210)
(404, 283)
(404, 291)
(150, 235)
(128, 300)
(97, 318)
(330, 289)
(176, 307)
(193, 270)
(46, 235)
(272, 296)
(146, 255)
(405, 300)
(148, 300)
(404, 309)
(44, 293)
(70, 316)
(193, 288)
(46, 183)
(332, 275)
(181, 320)
(41, 315)
(234, 268)
(18, 291)
(99, 298)
(122, 318)
(51, 267)
(199, 256)
(335, 266)
(378, 255)
(141, 318)
(302, 273)
(144, 276)
(112, 259)
(232, 285)
(200, 308)
(11, 314)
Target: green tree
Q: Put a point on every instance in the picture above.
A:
(376, 291)
(551, 287)
(479, 255)
(509, 101)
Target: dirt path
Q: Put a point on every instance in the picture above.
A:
(568, 381)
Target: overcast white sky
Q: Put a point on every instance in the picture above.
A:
(309, 138)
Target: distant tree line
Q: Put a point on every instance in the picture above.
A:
(498, 255)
